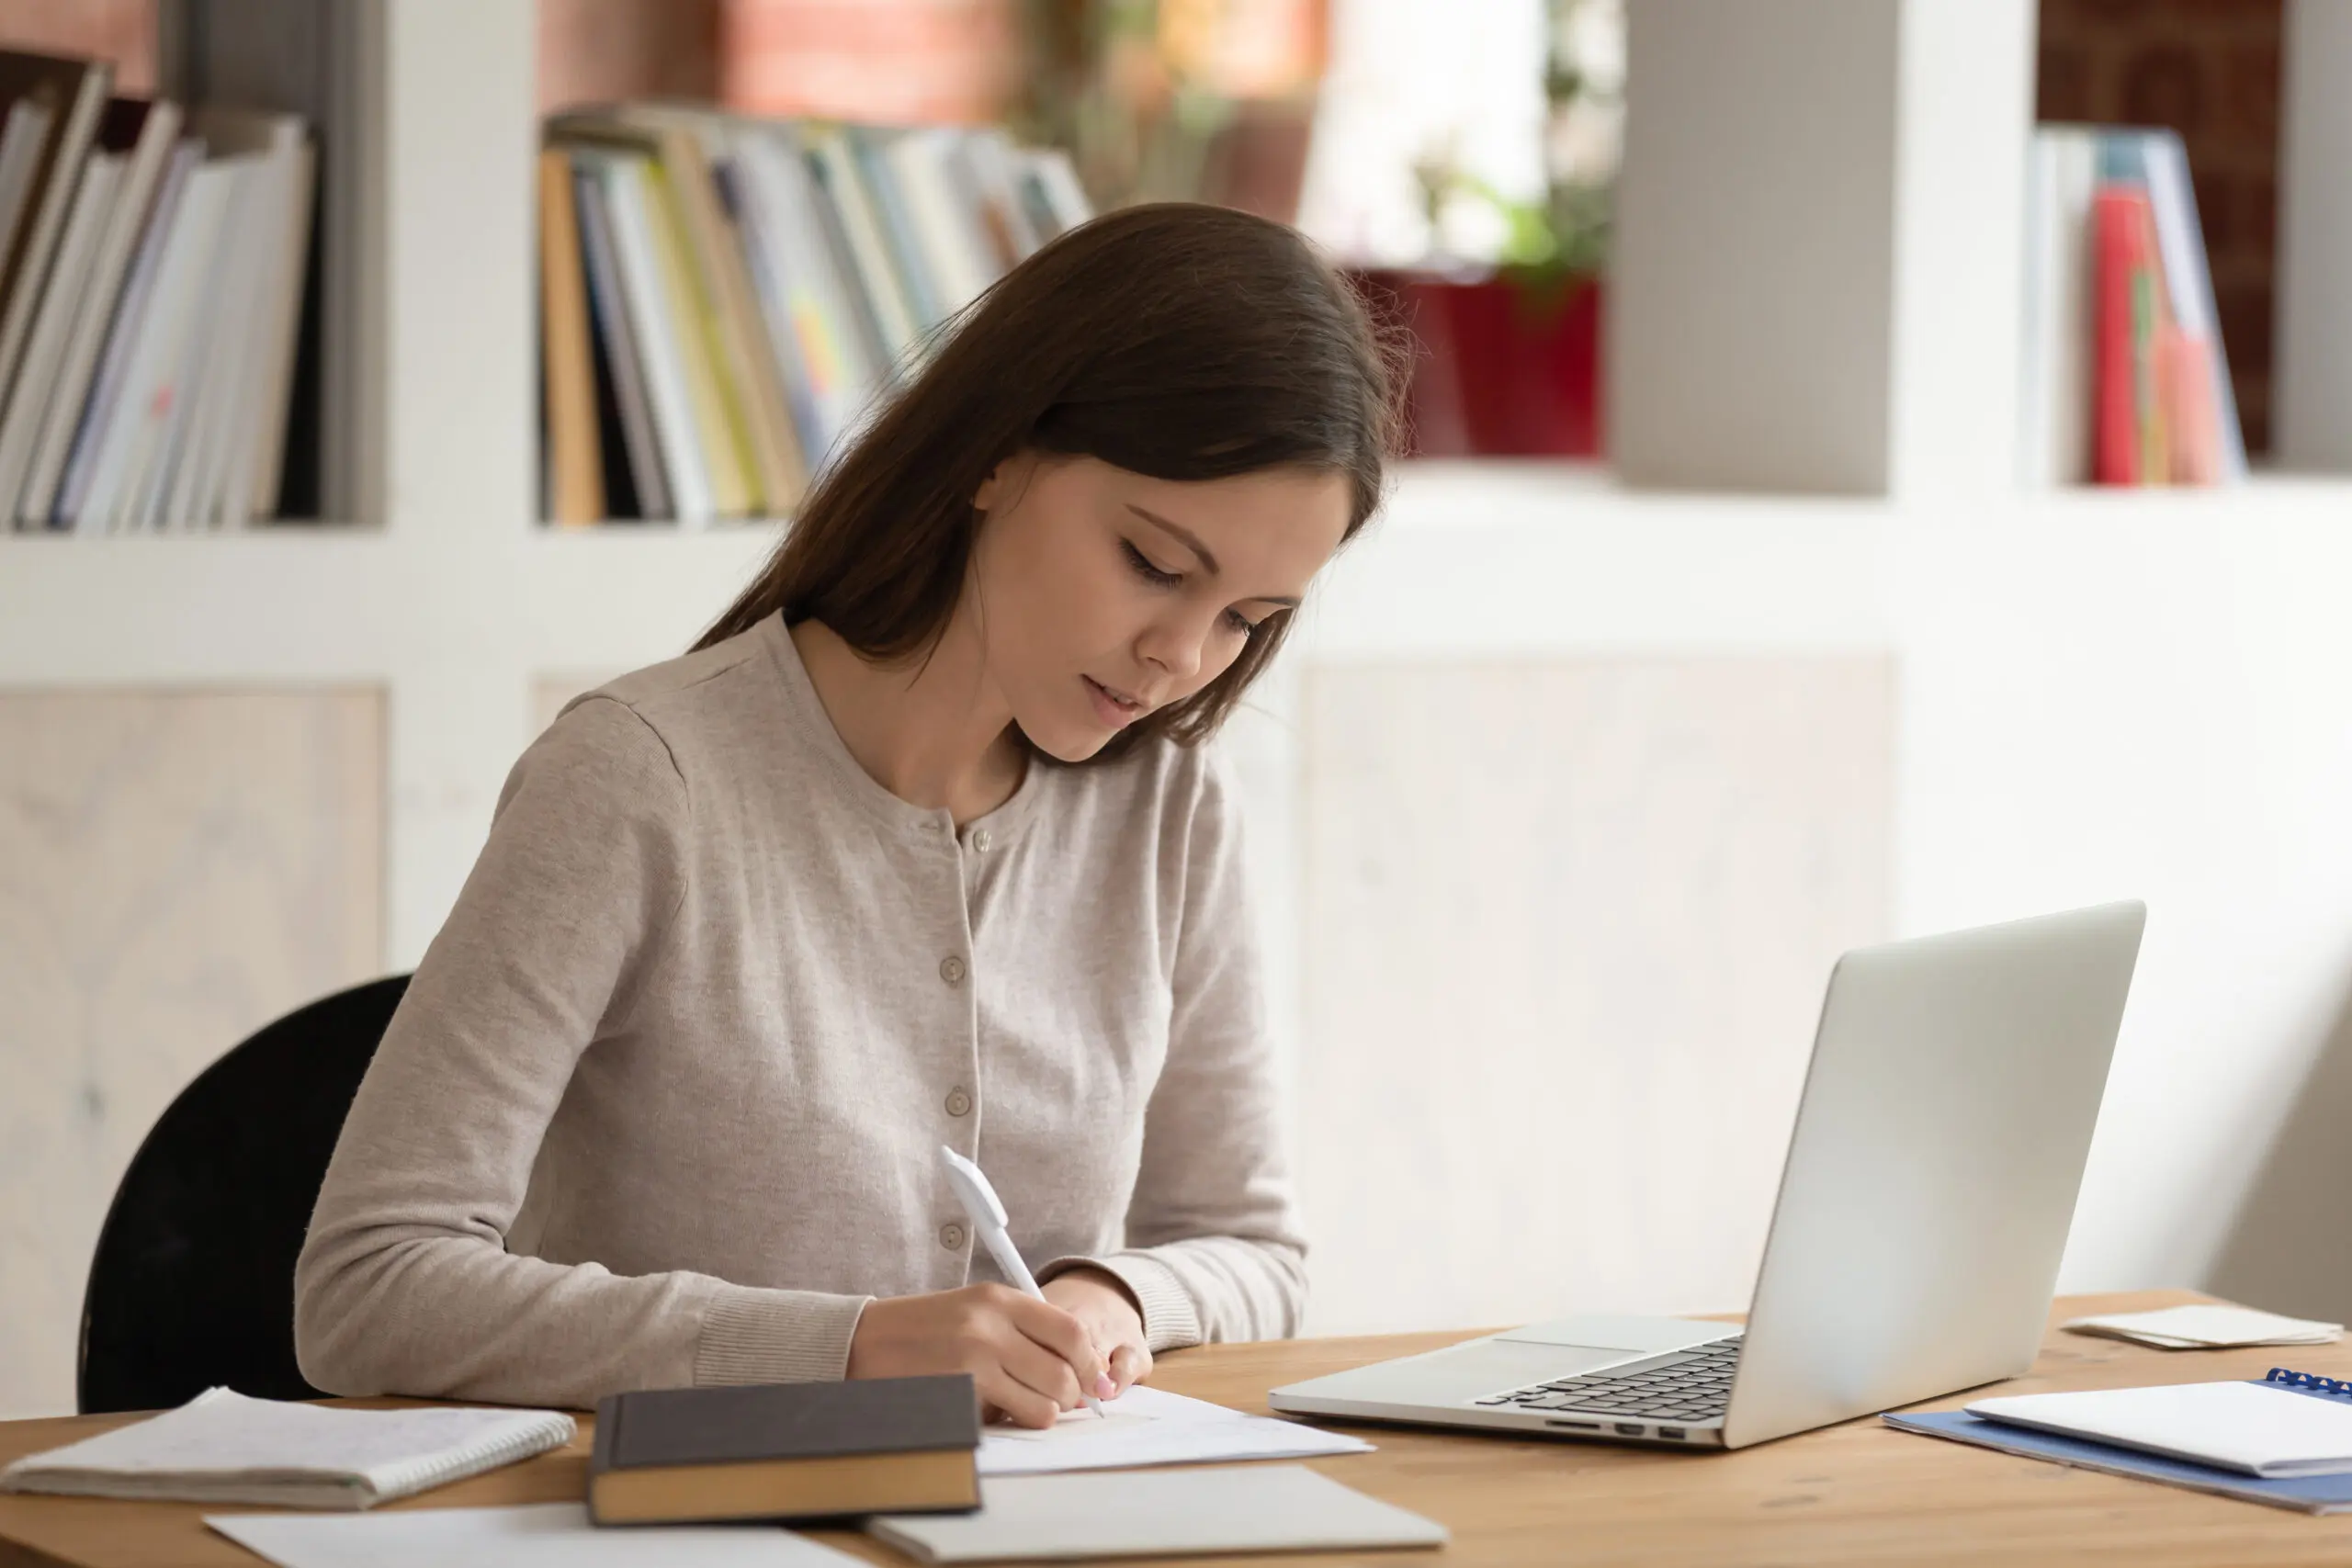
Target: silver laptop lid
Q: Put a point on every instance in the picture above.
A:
(1932, 1174)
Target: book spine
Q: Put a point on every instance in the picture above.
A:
(772, 297)
(716, 420)
(180, 486)
(2188, 283)
(29, 269)
(2055, 392)
(54, 323)
(2151, 333)
(2117, 440)
(862, 236)
(152, 152)
(897, 227)
(141, 417)
(665, 381)
(258, 458)
(577, 493)
(824, 337)
(21, 140)
(771, 446)
(863, 317)
(641, 449)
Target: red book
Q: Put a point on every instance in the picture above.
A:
(2120, 259)
(2192, 424)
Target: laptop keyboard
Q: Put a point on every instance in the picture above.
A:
(1695, 1388)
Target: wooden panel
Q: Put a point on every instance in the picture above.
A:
(176, 870)
(1565, 929)
(1860, 1494)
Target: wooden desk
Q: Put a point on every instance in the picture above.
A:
(1858, 1493)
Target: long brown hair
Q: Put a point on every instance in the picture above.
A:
(1173, 340)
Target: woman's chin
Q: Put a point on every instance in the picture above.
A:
(1066, 742)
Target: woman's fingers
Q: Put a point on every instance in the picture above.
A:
(1020, 1403)
(1038, 1369)
(1060, 1334)
(1029, 1359)
(1129, 1365)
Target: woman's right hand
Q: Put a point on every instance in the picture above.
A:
(1029, 1359)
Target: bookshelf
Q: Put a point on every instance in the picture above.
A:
(1823, 473)
(440, 583)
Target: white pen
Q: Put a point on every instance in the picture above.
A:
(985, 1210)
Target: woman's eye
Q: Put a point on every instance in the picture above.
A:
(1144, 570)
(1242, 624)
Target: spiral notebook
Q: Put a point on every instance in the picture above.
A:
(2328, 1493)
(221, 1447)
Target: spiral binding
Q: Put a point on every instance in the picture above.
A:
(2339, 1387)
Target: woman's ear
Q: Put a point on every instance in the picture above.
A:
(992, 488)
(1003, 482)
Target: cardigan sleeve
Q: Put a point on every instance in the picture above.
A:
(1214, 1246)
(404, 1284)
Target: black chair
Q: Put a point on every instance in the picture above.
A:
(193, 1280)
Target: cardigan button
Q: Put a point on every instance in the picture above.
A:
(950, 1236)
(959, 1102)
(951, 969)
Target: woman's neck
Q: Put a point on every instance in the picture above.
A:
(933, 729)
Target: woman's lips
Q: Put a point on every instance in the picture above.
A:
(1115, 708)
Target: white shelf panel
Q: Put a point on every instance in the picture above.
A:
(1467, 560)
(277, 604)
(1490, 559)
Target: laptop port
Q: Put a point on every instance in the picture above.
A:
(1670, 1431)
(1577, 1426)
(1629, 1428)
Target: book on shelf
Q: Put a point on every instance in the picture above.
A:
(156, 263)
(71, 92)
(723, 298)
(2124, 377)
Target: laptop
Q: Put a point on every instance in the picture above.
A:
(1914, 1248)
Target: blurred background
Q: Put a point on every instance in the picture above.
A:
(1792, 553)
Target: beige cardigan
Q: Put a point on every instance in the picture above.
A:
(662, 1104)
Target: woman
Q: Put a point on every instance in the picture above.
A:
(919, 846)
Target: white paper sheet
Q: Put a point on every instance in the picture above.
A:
(2259, 1429)
(543, 1535)
(2206, 1325)
(1264, 1507)
(1148, 1427)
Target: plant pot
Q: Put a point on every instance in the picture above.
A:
(1504, 366)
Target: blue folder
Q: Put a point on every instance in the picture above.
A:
(2312, 1494)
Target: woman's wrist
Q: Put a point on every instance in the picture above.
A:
(1095, 1274)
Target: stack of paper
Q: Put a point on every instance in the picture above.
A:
(2208, 1326)
(221, 1447)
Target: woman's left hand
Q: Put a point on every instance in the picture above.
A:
(1099, 1300)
